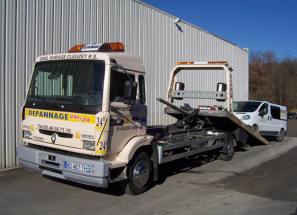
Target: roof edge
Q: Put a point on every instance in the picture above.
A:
(188, 23)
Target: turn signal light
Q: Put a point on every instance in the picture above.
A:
(112, 47)
(76, 48)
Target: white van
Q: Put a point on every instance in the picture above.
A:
(270, 119)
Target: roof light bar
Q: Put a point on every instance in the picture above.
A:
(201, 62)
(99, 47)
(185, 62)
(218, 62)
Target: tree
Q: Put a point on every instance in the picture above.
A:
(272, 79)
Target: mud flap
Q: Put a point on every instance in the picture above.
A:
(155, 160)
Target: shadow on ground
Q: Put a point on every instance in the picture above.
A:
(165, 171)
(275, 179)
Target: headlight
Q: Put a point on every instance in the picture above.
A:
(27, 134)
(89, 145)
(246, 117)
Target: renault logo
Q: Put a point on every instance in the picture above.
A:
(54, 138)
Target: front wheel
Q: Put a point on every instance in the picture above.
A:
(139, 174)
(255, 127)
(281, 135)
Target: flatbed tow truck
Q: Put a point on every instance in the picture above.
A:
(85, 119)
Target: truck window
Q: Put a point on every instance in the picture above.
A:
(275, 112)
(117, 85)
(264, 109)
(141, 89)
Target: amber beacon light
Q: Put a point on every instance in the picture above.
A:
(99, 47)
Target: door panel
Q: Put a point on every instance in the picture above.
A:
(264, 117)
(126, 124)
(276, 123)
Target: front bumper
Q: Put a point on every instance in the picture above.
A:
(53, 164)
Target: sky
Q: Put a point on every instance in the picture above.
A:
(258, 25)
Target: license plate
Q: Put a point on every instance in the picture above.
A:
(78, 167)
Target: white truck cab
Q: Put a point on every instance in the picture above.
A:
(268, 118)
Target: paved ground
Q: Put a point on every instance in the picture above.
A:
(274, 180)
(216, 187)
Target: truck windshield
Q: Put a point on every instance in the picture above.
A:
(247, 106)
(67, 85)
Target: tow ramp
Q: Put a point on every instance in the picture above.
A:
(225, 120)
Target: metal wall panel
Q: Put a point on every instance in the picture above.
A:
(10, 83)
(30, 28)
(20, 65)
(2, 80)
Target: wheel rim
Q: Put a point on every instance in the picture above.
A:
(230, 148)
(281, 134)
(141, 173)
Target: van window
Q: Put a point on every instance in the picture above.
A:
(141, 89)
(264, 109)
(117, 85)
(275, 112)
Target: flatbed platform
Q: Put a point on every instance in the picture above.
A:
(224, 121)
(219, 119)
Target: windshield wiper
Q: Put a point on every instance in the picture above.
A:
(36, 99)
(73, 101)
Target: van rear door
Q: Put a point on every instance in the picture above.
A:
(276, 122)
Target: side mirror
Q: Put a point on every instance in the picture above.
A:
(130, 92)
(221, 87)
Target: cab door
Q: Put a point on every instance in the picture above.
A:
(125, 119)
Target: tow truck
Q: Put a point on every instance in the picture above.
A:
(85, 119)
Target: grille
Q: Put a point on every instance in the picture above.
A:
(60, 134)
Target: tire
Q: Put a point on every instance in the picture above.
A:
(227, 152)
(139, 174)
(255, 127)
(281, 135)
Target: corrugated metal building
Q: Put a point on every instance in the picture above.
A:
(35, 27)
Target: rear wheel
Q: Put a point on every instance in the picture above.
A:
(139, 174)
(227, 152)
(281, 135)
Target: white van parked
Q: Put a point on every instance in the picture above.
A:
(268, 118)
